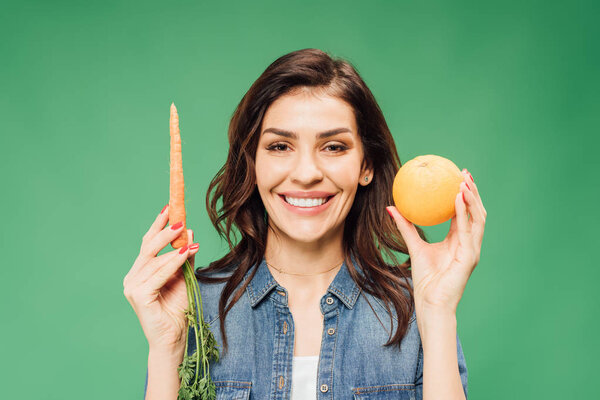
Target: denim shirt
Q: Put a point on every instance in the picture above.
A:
(353, 363)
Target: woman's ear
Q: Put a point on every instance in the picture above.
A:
(366, 177)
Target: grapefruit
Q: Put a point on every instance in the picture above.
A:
(424, 189)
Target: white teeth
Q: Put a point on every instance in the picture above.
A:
(305, 202)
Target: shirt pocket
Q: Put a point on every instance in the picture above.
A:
(394, 391)
(232, 390)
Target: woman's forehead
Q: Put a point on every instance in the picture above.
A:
(305, 113)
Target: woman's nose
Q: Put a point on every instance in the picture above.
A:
(306, 170)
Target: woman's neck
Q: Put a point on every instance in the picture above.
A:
(318, 262)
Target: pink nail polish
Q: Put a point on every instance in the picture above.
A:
(164, 208)
(463, 194)
(194, 246)
(177, 225)
(389, 212)
(183, 249)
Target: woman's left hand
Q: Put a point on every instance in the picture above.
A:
(440, 270)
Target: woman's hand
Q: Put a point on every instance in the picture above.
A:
(155, 286)
(440, 270)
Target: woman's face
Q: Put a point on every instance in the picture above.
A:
(308, 153)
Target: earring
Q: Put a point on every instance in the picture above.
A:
(366, 179)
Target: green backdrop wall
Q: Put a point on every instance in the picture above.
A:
(507, 89)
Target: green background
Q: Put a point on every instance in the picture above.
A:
(507, 89)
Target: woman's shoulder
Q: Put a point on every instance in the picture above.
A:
(206, 271)
(211, 291)
(380, 307)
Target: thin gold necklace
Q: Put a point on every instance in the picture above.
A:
(291, 273)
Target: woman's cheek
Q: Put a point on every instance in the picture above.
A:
(344, 175)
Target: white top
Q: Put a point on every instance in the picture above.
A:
(304, 377)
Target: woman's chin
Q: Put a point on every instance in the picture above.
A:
(304, 231)
(308, 235)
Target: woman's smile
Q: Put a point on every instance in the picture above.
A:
(306, 205)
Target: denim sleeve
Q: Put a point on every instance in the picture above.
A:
(462, 370)
(146, 384)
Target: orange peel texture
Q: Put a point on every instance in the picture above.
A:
(425, 188)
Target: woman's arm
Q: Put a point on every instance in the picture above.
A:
(163, 378)
(441, 378)
(440, 272)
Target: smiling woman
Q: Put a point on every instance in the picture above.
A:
(304, 169)
(305, 294)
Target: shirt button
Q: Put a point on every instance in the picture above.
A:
(330, 331)
(329, 300)
(281, 293)
(324, 388)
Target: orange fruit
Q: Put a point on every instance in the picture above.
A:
(425, 188)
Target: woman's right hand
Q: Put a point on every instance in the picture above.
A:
(155, 286)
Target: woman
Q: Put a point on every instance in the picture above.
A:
(305, 303)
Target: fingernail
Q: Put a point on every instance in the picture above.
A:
(463, 194)
(177, 225)
(389, 212)
(164, 208)
(471, 176)
(183, 249)
(468, 187)
(194, 246)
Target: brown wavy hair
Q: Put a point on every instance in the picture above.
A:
(369, 232)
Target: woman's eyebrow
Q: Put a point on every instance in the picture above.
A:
(292, 135)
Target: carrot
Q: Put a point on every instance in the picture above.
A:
(176, 193)
(194, 370)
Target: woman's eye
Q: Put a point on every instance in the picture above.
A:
(337, 147)
(277, 147)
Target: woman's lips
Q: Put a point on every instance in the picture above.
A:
(307, 211)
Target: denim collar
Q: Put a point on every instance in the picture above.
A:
(343, 286)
